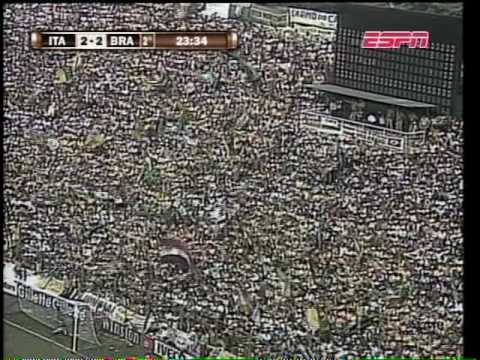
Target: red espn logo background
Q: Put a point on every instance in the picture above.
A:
(396, 39)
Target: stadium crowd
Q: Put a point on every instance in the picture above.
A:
(110, 154)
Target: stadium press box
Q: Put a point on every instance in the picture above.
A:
(183, 40)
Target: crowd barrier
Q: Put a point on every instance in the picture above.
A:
(371, 134)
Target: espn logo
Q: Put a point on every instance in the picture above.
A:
(396, 39)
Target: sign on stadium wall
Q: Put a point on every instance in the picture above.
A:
(324, 128)
(162, 349)
(392, 142)
(98, 304)
(11, 277)
(395, 142)
(9, 284)
(313, 18)
(123, 331)
(330, 125)
(47, 300)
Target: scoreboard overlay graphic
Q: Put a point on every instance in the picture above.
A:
(184, 40)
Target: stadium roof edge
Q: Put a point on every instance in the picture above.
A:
(349, 92)
(346, 6)
(278, 9)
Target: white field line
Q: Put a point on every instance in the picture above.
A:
(42, 338)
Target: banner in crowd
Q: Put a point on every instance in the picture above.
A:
(313, 18)
(176, 256)
(313, 319)
(52, 285)
(122, 315)
(176, 251)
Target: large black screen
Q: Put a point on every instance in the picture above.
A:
(425, 75)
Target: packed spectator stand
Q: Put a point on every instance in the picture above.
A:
(138, 147)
